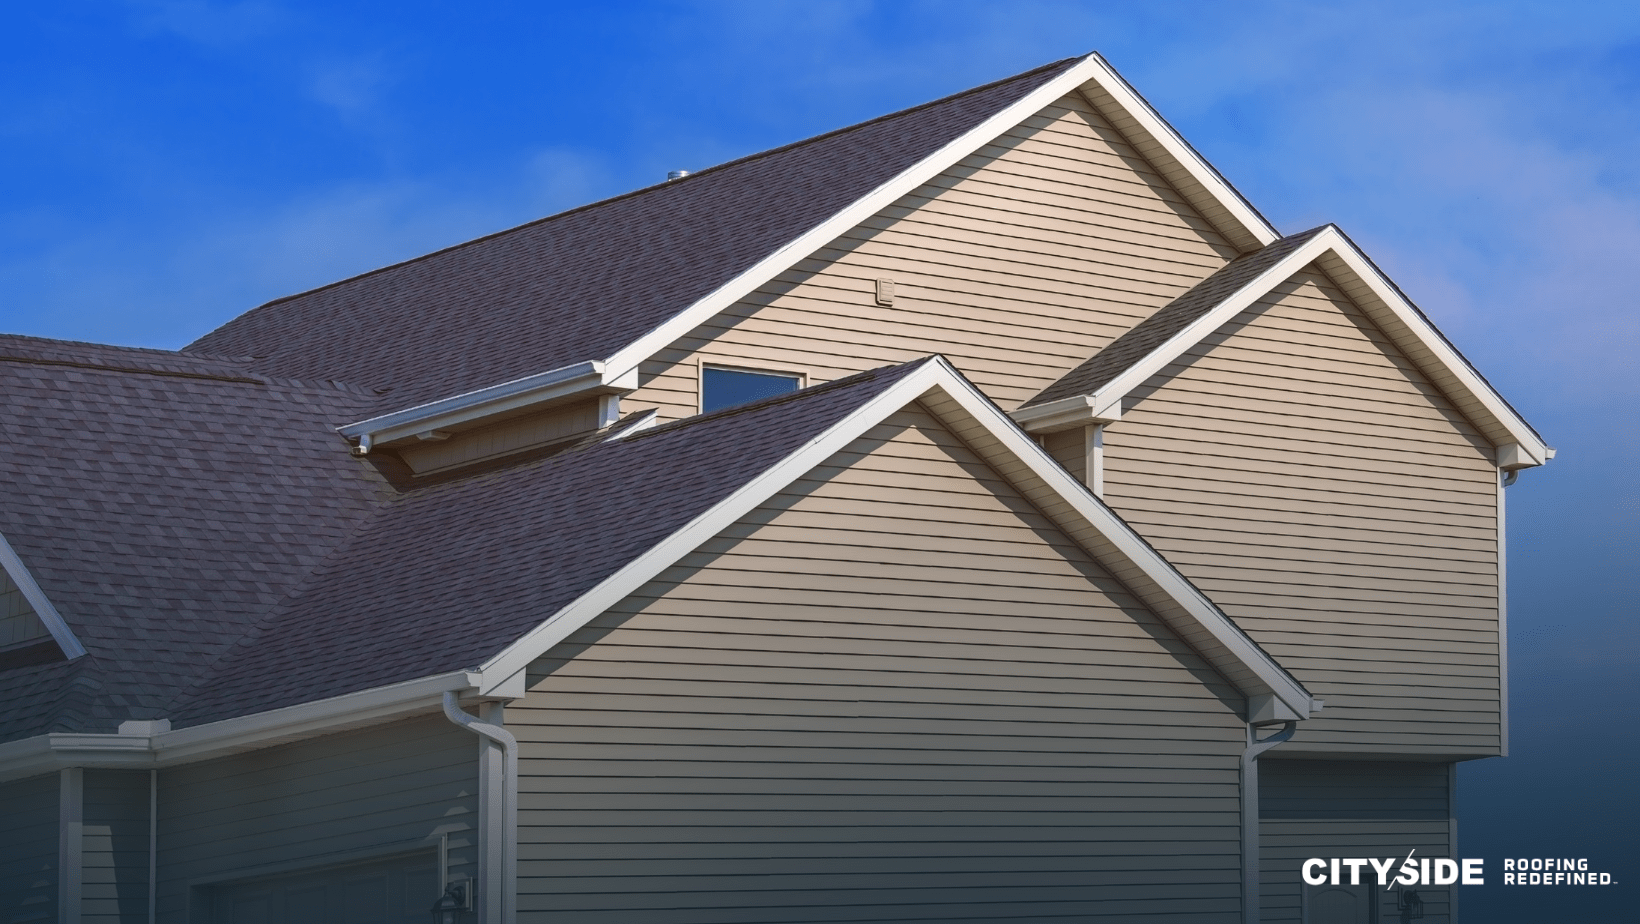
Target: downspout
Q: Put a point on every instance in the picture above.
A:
(1249, 816)
(497, 892)
(153, 841)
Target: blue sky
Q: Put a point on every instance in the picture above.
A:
(171, 164)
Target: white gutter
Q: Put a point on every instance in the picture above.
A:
(145, 745)
(475, 407)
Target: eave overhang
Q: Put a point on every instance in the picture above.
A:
(1517, 444)
(437, 419)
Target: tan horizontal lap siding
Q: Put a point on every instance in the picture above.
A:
(1299, 470)
(892, 691)
(386, 788)
(1017, 263)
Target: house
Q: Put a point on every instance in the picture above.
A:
(980, 513)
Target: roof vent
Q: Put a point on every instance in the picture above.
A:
(676, 175)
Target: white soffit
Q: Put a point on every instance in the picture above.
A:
(43, 610)
(1518, 444)
(951, 398)
(1105, 89)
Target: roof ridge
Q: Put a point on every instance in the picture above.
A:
(747, 158)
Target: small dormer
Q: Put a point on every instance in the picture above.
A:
(534, 412)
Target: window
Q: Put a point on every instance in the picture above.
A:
(721, 388)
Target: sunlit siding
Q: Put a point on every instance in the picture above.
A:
(1017, 264)
(1300, 471)
(895, 690)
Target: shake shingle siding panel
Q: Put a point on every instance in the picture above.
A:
(926, 706)
(581, 285)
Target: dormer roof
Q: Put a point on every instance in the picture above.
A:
(1093, 392)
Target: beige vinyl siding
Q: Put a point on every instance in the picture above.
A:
(1017, 264)
(1324, 808)
(893, 691)
(28, 851)
(1299, 470)
(314, 803)
(114, 847)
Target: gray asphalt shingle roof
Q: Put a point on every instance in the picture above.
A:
(163, 502)
(581, 285)
(217, 549)
(445, 576)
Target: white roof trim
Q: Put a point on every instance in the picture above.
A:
(48, 615)
(1337, 255)
(1180, 163)
(55, 751)
(949, 396)
(1092, 69)
(475, 407)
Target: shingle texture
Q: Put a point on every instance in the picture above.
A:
(212, 542)
(163, 502)
(446, 576)
(581, 285)
(1150, 334)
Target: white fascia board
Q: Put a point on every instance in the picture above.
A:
(47, 614)
(1169, 140)
(1518, 445)
(1091, 68)
(936, 377)
(1434, 356)
(55, 751)
(1197, 620)
(1105, 405)
(587, 378)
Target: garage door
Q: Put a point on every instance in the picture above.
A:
(397, 890)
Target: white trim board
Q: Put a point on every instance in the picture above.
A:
(1094, 78)
(959, 405)
(47, 614)
(1518, 446)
